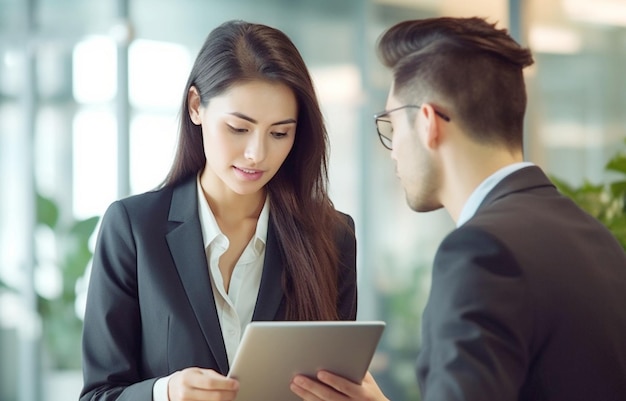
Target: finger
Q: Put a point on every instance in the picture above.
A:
(191, 394)
(367, 390)
(339, 383)
(317, 391)
(209, 379)
(369, 379)
(201, 384)
(302, 392)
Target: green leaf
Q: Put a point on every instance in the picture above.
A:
(618, 228)
(606, 202)
(586, 189)
(62, 328)
(84, 228)
(617, 164)
(589, 188)
(47, 211)
(75, 264)
(618, 189)
(562, 186)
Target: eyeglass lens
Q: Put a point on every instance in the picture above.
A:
(385, 132)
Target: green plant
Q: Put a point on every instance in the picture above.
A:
(606, 201)
(62, 327)
(402, 295)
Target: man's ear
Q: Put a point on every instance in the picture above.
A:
(430, 126)
(193, 100)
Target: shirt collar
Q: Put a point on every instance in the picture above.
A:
(479, 194)
(210, 229)
(260, 236)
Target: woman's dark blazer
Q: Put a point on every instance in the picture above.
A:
(150, 307)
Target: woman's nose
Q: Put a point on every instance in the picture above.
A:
(255, 148)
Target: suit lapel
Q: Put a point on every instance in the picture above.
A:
(521, 180)
(270, 290)
(187, 249)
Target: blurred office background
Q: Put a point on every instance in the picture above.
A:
(89, 96)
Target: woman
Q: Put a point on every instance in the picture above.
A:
(242, 229)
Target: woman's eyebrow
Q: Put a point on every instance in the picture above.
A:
(253, 121)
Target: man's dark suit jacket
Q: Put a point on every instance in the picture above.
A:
(528, 302)
(150, 307)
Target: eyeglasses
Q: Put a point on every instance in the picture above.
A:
(384, 128)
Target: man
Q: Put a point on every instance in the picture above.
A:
(528, 297)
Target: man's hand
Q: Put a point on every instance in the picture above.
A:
(335, 388)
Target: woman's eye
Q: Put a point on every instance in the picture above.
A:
(279, 134)
(237, 130)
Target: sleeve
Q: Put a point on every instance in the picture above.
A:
(111, 333)
(159, 391)
(477, 324)
(347, 281)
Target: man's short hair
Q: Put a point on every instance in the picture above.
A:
(467, 67)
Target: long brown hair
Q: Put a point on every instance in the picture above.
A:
(302, 214)
(470, 69)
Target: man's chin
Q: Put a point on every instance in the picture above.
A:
(423, 207)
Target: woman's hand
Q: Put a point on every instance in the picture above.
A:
(195, 384)
(335, 388)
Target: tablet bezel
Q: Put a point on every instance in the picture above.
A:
(271, 353)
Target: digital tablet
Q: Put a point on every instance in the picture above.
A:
(272, 353)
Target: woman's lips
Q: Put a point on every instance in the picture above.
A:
(248, 174)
